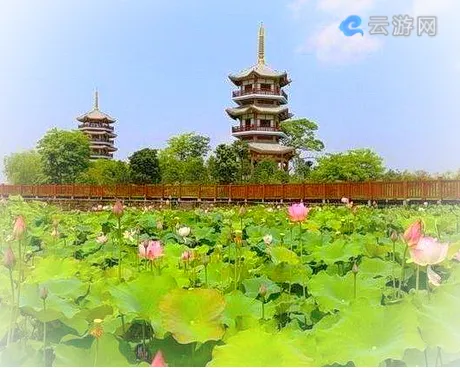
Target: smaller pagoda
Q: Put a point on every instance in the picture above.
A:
(261, 108)
(98, 127)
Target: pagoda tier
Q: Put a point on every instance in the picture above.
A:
(98, 127)
(261, 107)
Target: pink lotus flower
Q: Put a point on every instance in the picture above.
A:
(344, 200)
(118, 209)
(19, 227)
(413, 233)
(151, 250)
(158, 360)
(429, 251)
(433, 277)
(298, 212)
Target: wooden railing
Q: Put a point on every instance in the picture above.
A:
(395, 190)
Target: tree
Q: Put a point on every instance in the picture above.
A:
(145, 166)
(224, 166)
(352, 165)
(267, 172)
(301, 134)
(183, 160)
(24, 168)
(65, 155)
(106, 172)
(242, 153)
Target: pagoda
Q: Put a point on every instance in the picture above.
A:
(262, 106)
(98, 127)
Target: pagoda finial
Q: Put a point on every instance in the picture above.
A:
(261, 51)
(96, 100)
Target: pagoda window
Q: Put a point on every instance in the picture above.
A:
(265, 87)
(265, 123)
(248, 88)
(247, 123)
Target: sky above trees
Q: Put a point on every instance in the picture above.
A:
(161, 69)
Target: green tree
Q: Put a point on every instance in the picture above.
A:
(65, 155)
(301, 134)
(24, 168)
(183, 160)
(242, 153)
(106, 172)
(352, 165)
(145, 166)
(223, 165)
(267, 172)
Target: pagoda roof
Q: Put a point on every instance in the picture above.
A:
(261, 70)
(95, 114)
(234, 112)
(269, 148)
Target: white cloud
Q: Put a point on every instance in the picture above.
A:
(438, 7)
(332, 47)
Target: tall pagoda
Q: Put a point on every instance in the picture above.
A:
(262, 106)
(98, 127)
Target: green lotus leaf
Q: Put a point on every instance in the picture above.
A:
(333, 292)
(252, 286)
(53, 268)
(282, 254)
(193, 315)
(375, 267)
(141, 297)
(239, 305)
(339, 250)
(258, 348)
(368, 336)
(438, 323)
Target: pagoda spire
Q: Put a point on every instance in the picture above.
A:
(261, 50)
(96, 100)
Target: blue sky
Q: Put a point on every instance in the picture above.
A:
(161, 68)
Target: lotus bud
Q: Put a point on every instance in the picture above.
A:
(205, 260)
(263, 291)
(158, 360)
(43, 292)
(413, 233)
(184, 231)
(19, 227)
(159, 225)
(354, 269)
(9, 260)
(268, 239)
(242, 211)
(186, 256)
(394, 236)
(118, 209)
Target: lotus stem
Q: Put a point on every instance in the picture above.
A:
(44, 334)
(402, 270)
(96, 353)
(354, 285)
(263, 308)
(119, 248)
(206, 275)
(417, 278)
(393, 258)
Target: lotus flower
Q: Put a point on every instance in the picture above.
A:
(433, 277)
(151, 250)
(55, 233)
(102, 239)
(9, 259)
(186, 256)
(158, 360)
(159, 225)
(268, 239)
(298, 212)
(19, 227)
(43, 292)
(129, 235)
(429, 251)
(345, 200)
(118, 209)
(413, 233)
(184, 231)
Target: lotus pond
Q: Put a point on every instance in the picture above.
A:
(344, 286)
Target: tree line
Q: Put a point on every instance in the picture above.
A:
(63, 157)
